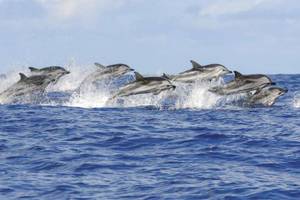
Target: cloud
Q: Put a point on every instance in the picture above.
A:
(80, 9)
(230, 7)
(240, 14)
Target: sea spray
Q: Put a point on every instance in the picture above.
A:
(73, 80)
(98, 93)
(297, 100)
(12, 77)
(197, 95)
(194, 95)
(69, 91)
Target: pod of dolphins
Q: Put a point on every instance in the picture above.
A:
(259, 89)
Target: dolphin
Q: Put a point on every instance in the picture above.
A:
(27, 88)
(243, 83)
(114, 70)
(144, 85)
(199, 72)
(53, 72)
(106, 72)
(266, 96)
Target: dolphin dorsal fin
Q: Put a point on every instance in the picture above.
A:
(99, 65)
(238, 75)
(33, 69)
(22, 76)
(138, 76)
(195, 64)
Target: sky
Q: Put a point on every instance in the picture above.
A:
(152, 36)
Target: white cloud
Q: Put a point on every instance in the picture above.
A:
(70, 9)
(230, 7)
(218, 14)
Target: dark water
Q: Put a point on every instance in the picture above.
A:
(144, 153)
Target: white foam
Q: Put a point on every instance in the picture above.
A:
(89, 96)
(71, 81)
(143, 100)
(12, 77)
(197, 95)
(95, 96)
(297, 100)
(185, 96)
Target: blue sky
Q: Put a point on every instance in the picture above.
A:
(252, 36)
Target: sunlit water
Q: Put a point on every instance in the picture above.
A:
(76, 146)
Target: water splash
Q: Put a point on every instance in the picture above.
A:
(297, 100)
(12, 77)
(91, 95)
(197, 95)
(73, 80)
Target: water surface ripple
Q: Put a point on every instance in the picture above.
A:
(49, 152)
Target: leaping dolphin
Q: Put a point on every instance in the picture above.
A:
(27, 88)
(243, 83)
(106, 72)
(199, 72)
(53, 72)
(144, 85)
(266, 96)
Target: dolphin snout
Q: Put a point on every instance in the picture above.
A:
(284, 90)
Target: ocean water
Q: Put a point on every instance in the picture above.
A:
(77, 146)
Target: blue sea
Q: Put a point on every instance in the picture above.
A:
(58, 151)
